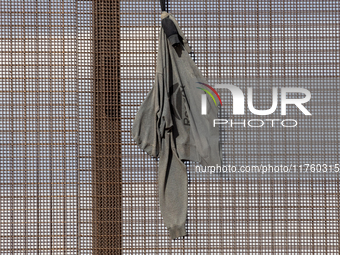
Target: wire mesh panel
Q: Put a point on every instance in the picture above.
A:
(258, 44)
(46, 127)
(107, 129)
(76, 70)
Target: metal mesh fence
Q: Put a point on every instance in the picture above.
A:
(46, 85)
(258, 44)
(73, 75)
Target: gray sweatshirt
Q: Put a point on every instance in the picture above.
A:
(169, 125)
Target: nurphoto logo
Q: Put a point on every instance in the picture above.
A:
(238, 103)
(204, 97)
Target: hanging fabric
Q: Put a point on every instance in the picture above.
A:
(169, 124)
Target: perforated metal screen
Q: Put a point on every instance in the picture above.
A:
(73, 75)
(258, 44)
(46, 128)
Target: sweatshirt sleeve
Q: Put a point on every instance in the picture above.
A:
(145, 128)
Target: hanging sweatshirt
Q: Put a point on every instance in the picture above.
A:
(169, 124)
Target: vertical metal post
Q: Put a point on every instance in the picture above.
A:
(107, 184)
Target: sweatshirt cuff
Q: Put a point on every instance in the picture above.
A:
(177, 231)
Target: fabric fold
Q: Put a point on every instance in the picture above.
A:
(172, 188)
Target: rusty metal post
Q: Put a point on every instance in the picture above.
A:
(107, 185)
